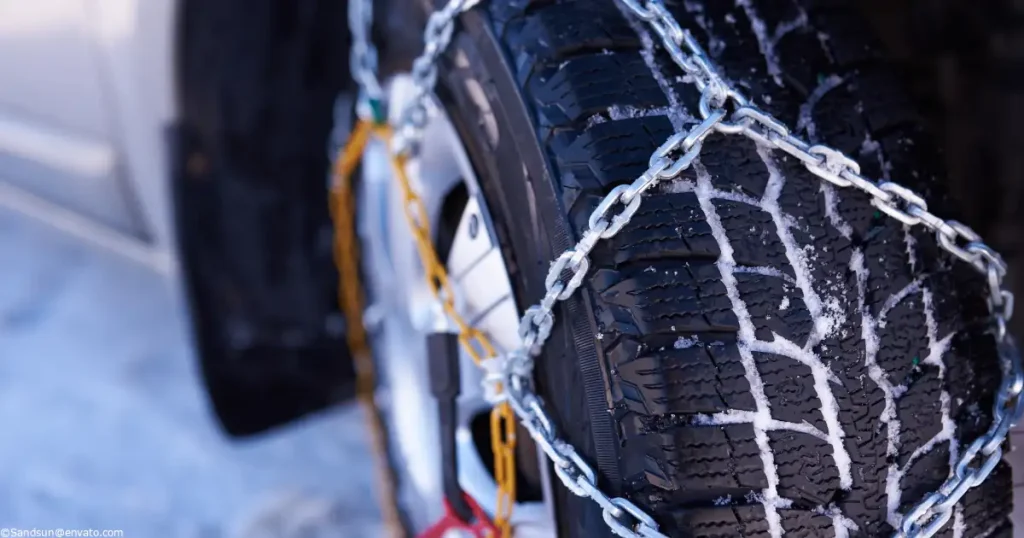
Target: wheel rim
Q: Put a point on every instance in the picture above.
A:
(403, 311)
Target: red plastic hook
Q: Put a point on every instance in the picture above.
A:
(480, 527)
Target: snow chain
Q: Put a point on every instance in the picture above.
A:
(724, 110)
(401, 145)
(474, 342)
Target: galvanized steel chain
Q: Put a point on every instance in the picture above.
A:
(565, 276)
(622, 516)
(404, 144)
(403, 141)
(725, 110)
(436, 37)
(474, 341)
(363, 55)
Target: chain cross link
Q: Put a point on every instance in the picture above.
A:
(624, 518)
(727, 111)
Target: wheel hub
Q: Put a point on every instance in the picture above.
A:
(404, 311)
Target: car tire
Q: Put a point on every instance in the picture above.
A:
(756, 353)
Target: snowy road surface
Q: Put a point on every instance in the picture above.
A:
(104, 424)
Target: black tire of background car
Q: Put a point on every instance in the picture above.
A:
(256, 83)
(561, 100)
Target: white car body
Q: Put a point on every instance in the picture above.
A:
(86, 93)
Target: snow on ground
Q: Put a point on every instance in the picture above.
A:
(104, 424)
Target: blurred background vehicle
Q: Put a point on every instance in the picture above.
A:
(90, 132)
(87, 98)
(106, 421)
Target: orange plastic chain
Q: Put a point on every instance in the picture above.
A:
(476, 344)
(350, 298)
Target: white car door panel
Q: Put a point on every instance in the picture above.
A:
(58, 133)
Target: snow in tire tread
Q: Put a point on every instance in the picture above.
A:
(765, 337)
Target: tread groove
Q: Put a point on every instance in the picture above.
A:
(686, 347)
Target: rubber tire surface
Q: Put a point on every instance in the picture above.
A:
(743, 288)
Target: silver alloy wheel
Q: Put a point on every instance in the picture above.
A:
(403, 311)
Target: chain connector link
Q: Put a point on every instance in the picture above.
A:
(617, 221)
(831, 164)
(952, 234)
(371, 109)
(567, 261)
(694, 140)
(641, 525)
(771, 129)
(645, 13)
(535, 327)
(716, 95)
(900, 196)
(665, 25)
(575, 471)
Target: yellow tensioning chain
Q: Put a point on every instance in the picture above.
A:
(476, 344)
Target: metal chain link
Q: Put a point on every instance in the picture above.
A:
(403, 141)
(363, 56)
(724, 110)
(436, 37)
(404, 144)
(565, 276)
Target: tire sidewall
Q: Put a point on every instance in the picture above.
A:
(483, 100)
